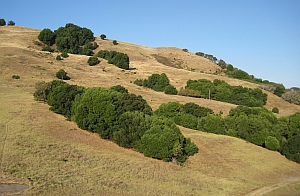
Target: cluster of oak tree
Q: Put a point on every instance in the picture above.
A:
(158, 82)
(119, 116)
(254, 124)
(3, 22)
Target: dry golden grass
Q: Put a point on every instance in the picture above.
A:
(61, 159)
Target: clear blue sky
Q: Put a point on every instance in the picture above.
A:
(261, 37)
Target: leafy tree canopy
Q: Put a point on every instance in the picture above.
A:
(2, 22)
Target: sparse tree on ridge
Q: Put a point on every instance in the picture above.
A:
(11, 23)
(2, 22)
(103, 36)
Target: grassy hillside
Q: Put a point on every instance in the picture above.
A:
(60, 158)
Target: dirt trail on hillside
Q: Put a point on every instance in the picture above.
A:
(267, 189)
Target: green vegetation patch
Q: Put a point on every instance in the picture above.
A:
(118, 59)
(158, 82)
(221, 91)
(119, 116)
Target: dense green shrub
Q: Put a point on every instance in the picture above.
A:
(42, 91)
(15, 77)
(121, 60)
(272, 143)
(291, 149)
(230, 67)
(68, 39)
(186, 115)
(122, 117)
(61, 96)
(280, 89)
(196, 110)
(47, 37)
(58, 57)
(170, 90)
(138, 82)
(275, 110)
(212, 124)
(102, 36)
(93, 61)
(11, 23)
(129, 102)
(222, 91)
(158, 82)
(119, 88)
(95, 110)
(64, 54)
(131, 127)
(2, 22)
(164, 141)
(61, 74)
(240, 74)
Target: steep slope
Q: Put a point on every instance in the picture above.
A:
(60, 158)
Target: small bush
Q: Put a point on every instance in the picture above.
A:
(275, 110)
(2, 22)
(11, 23)
(272, 143)
(15, 77)
(47, 48)
(61, 74)
(170, 90)
(138, 82)
(64, 54)
(58, 57)
(93, 61)
(185, 50)
(115, 42)
(102, 36)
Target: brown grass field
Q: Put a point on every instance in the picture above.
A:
(61, 159)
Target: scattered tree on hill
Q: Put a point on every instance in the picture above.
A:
(47, 37)
(93, 61)
(222, 91)
(230, 68)
(42, 90)
(170, 90)
(275, 110)
(2, 22)
(11, 23)
(58, 57)
(119, 59)
(61, 74)
(240, 74)
(222, 64)
(280, 89)
(68, 39)
(102, 36)
(115, 42)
